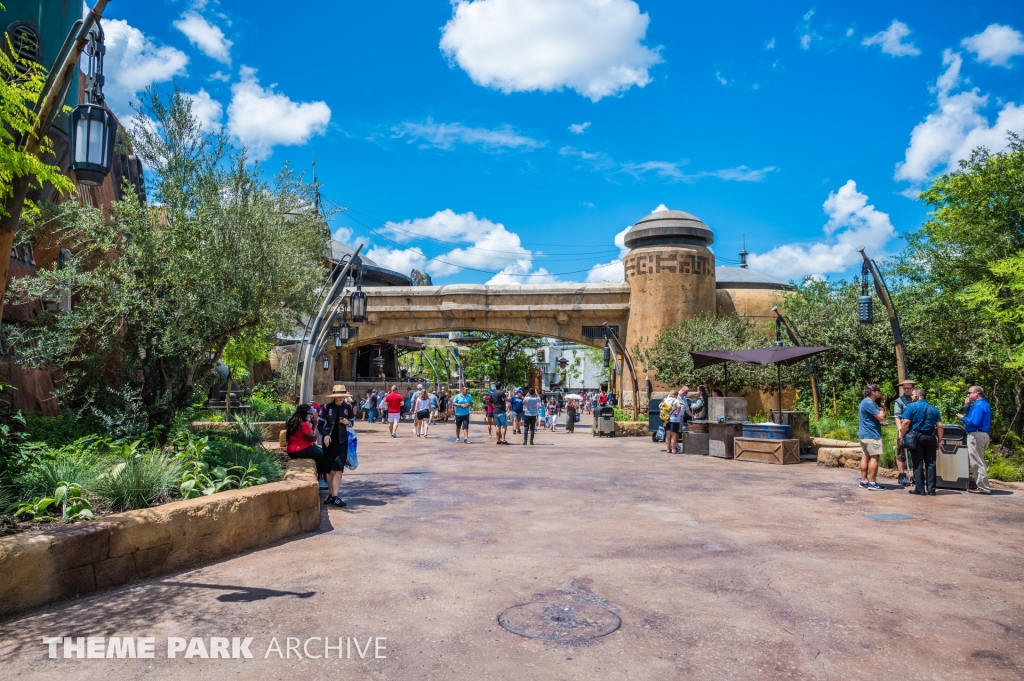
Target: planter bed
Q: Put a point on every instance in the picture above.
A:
(78, 559)
(273, 428)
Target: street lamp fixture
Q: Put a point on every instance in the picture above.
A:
(607, 350)
(357, 300)
(327, 362)
(865, 313)
(93, 127)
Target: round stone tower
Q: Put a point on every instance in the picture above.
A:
(671, 276)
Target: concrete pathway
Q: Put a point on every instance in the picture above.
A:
(716, 569)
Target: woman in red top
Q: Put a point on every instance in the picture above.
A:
(302, 439)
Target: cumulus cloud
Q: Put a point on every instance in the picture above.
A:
(261, 118)
(955, 128)
(852, 224)
(133, 62)
(594, 47)
(891, 40)
(578, 128)
(489, 246)
(207, 109)
(448, 135)
(612, 271)
(996, 45)
(210, 39)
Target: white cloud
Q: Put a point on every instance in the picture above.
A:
(996, 45)
(133, 62)
(578, 128)
(720, 78)
(771, 44)
(852, 224)
(261, 118)
(612, 271)
(448, 135)
(489, 246)
(955, 128)
(207, 109)
(891, 40)
(594, 47)
(807, 34)
(219, 75)
(343, 235)
(208, 38)
(671, 170)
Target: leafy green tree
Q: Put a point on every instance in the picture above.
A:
(503, 357)
(669, 354)
(158, 291)
(242, 351)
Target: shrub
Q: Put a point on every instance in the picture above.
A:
(43, 468)
(1005, 472)
(231, 454)
(138, 478)
(245, 432)
(55, 431)
(262, 408)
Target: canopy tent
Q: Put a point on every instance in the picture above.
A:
(778, 355)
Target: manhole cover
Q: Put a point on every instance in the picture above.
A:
(889, 516)
(560, 622)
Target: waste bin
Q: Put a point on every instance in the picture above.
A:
(606, 422)
(952, 467)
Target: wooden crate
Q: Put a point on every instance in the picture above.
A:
(766, 451)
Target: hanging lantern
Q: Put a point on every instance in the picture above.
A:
(93, 132)
(338, 342)
(344, 331)
(865, 311)
(607, 352)
(357, 301)
(327, 362)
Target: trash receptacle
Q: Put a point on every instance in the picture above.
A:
(952, 467)
(654, 416)
(606, 422)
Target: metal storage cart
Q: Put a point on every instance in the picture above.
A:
(606, 422)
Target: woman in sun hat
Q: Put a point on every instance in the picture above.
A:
(339, 414)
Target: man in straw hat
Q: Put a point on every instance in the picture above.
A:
(901, 403)
(339, 413)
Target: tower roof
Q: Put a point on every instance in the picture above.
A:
(665, 227)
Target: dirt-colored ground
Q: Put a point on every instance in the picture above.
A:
(717, 569)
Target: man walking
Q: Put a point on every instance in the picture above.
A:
(394, 401)
(463, 403)
(373, 406)
(977, 421)
(499, 403)
(870, 433)
(921, 422)
(515, 403)
(531, 407)
(901, 403)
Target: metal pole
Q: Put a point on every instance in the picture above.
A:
(632, 372)
(305, 330)
(306, 386)
(897, 334)
(795, 339)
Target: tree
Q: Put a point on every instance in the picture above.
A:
(160, 290)
(669, 354)
(503, 357)
(241, 351)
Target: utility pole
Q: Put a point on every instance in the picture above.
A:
(897, 335)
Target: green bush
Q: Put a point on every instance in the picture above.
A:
(138, 478)
(759, 417)
(53, 430)
(44, 468)
(263, 409)
(232, 454)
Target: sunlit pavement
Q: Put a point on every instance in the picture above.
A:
(714, 569)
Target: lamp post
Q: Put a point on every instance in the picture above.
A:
(47, 108)
(882, 290)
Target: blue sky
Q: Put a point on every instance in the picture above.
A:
(513, 140)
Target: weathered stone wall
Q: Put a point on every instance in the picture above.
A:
(66, 562)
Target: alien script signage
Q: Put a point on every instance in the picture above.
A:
(669, 263)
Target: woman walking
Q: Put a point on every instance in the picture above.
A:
(570, 416)
(422, 406)
(552, 414)
(338, 416)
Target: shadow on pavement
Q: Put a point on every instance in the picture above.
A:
(242, 594)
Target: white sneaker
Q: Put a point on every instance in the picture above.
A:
(458, 440)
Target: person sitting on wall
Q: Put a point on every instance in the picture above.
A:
(301, 437)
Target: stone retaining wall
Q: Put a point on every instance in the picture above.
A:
(68, 561)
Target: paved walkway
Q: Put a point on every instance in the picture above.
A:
(717, 570)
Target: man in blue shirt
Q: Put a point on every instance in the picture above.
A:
(463, 402)
(515, 403)
(924, 420)
(870, 435)
(977, 421)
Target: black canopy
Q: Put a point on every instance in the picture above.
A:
(775, 355)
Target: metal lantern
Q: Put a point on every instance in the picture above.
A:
(357, 301)
(607, 352)
(327, 362)
(865, 311)
(420, 369)
(93, 132)
(338, 342)
(344, 331)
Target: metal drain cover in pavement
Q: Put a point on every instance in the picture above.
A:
(559, 622)
(889, 516)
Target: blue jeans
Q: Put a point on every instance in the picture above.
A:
(373, 416)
